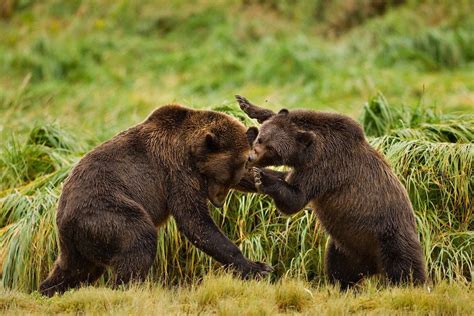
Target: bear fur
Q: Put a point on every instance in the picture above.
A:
(358, 199)
(120, 192)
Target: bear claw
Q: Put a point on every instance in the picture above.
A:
(243, 102)
(261, 269)
(257, 174)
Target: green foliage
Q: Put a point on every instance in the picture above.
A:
(438, 176)
(42, 154)
(235, 111)
(440, 181)
(417, 122)
(432, 50)
(52, 136)
(434, 156)
(30, 226)
(99, 67)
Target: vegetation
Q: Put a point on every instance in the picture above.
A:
(74, 73)
(224, 295)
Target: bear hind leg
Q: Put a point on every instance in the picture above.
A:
(402, 260)
(134, 262)
(345, 269)
(65, 276)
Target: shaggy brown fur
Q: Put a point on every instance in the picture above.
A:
(120, 192)
(358, 199)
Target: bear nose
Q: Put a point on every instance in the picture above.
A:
(251, 158)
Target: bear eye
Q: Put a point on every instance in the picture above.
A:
(259, 141)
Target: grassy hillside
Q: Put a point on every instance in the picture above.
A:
(98, 68)
(74, 73)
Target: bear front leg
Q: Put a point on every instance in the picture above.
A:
(253, 111)
(196, 224)
(288, 198)
(247, 183)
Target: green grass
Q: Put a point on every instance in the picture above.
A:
(73, 74)
(126, 58)
(437, 170)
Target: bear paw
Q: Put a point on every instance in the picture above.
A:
(252, 111)
(244, 104)
(262, 180)
(256, 270)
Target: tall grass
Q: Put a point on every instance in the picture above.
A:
(436, 169)
(96, 62)
(433, 154)
(45, 151)
(379, 118)
(432, 50)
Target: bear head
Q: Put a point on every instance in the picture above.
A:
(221, 156)
(279, 142)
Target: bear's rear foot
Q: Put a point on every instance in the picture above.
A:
(398, 276)
(55, 283)
(48, 288)
(59, 281)
(345, 269)
(403, 261)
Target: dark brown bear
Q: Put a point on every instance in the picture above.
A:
(358, 199)
(119, 193)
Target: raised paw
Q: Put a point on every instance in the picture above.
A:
(244, 104)
(257, 177)
(253, 111)
(263, 180)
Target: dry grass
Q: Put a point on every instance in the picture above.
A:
(224, 295)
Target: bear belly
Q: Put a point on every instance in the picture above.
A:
(348, 233)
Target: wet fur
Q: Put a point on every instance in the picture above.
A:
(356, 196)
(119, 193)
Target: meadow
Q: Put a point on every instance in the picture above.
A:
(75, 73)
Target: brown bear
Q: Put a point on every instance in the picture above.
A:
(120, 192)
(356, 196)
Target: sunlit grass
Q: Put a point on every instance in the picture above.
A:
(224, 295)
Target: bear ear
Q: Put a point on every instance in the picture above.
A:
(306, 138)
(283, 112)
(212, 143)
(252, 134)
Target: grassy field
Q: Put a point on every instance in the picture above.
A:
(224, 295)
(74, 73)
